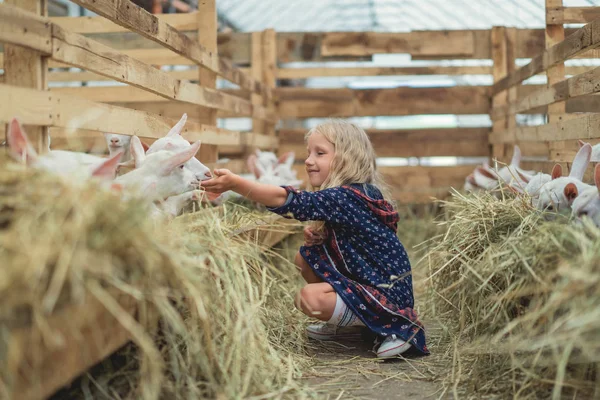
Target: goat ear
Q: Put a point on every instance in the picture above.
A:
(286, 157)
(516, 158)
(570, 192)
(176, 130)
(581, 162)
(19, 143)
(526, 178)
(145, 146)
(181, 158)
(581, 143)
(108, 169)
(487, 173)
(137, 151)
(556, 171)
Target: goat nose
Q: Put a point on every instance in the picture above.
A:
(208, 174)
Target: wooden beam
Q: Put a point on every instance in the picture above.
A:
(136, 19)
(256, 71)
(308, 103)
(207, 38)
(571, 15)
(451, 44)
(78, 51)
(555, 34)
(53, 109)
(579, 127)
(576, 86)
(25, 29)
(269, 73)
(580, 41)
(458, 142)
(25, 67)
(181, 22)
(88, 333)
(301, 73)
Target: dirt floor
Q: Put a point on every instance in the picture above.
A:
(349, 369)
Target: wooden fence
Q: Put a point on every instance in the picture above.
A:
(165, 95)
(571, 104)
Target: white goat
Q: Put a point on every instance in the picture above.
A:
(558, 195)
(587, 204)
(60, 162)
(173, 141)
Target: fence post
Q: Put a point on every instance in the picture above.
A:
(269, 75)
(27, 68)
(503, 56)
(207, 37)
(256, 71)
(555, 34)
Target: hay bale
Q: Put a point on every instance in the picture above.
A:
(227, 326)
(520, 295)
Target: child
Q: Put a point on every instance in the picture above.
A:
(356, 269)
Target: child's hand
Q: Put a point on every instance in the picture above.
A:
(312, 238)
(223, 181)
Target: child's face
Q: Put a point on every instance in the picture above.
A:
(320, 156)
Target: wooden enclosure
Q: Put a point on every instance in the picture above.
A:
(131, 49)
(128, 45)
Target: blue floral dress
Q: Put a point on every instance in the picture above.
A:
(362, 258)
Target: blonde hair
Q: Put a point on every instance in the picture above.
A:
(354, 160)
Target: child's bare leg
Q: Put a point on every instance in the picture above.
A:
(305, 270)
(317, 300)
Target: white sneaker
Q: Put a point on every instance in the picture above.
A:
(392, 347)
(324, 331)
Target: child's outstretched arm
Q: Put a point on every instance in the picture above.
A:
(224, 180)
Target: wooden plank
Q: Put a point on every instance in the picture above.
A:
(181, 22)
(269, 67)
(571, 15)
(580, 85)
(78, 51)
(88, 333)
(582, 127)
(450, 44)
(499, 47)
(133, 17)
(207, 38)
(27, 68)
(256, 71)
(54, 109)
(302, 73)
(307, 103)
(25, 29)
(582, 40)
(555, 34)
(459, 142)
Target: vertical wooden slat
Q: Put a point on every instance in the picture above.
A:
(269, 65)
(555, 34)
(256, 71)
(500, 70)
(207, 37)
(27, 68)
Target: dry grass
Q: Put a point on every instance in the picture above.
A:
(228, 327)
(520, 298)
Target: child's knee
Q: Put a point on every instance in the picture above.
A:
(311, 301)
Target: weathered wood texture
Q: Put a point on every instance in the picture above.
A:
(25, 66)
(555, 34)
(306, 103)
(571, 15)
(60, 110)
(580, 41)
(459, 142)
(136, 19)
